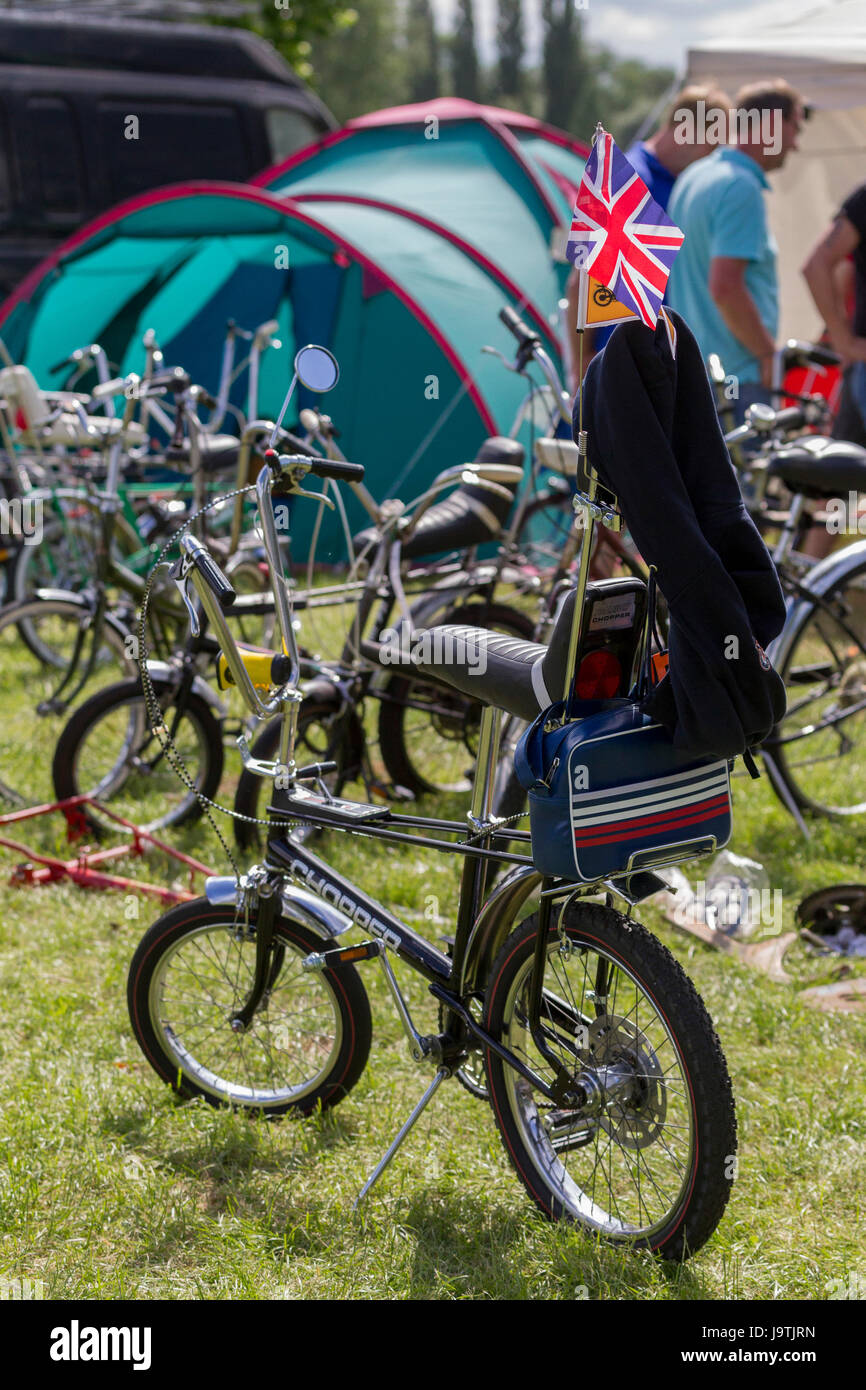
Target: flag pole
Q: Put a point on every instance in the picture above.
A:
(585, 506)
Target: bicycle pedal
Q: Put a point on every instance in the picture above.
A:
(342, 955)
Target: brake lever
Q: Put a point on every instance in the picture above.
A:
(292, 473)
(316, 497)
(296, 491)
(494, 352)
(179, 572)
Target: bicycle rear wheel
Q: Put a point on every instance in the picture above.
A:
(427, 733)
(819, 747)
(649, 1160)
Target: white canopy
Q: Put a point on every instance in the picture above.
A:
(821, 51)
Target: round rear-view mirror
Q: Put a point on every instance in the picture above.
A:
(317, 368)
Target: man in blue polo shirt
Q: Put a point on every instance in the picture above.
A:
(659, 161)
(665, 155)
(724, 280)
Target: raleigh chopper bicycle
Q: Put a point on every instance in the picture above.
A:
(607, 1081)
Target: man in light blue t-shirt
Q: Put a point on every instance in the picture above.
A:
(659, 161)
(724, 280)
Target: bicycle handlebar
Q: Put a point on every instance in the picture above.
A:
(529, 347)
(793, 417)
(339, 469)
(210, 572)
(795, 352)
(517, 328)
(772, 422)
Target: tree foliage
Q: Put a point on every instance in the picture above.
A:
(422, 52)
(464, 55)
(360, 55)
(365, 67)
(565, 69)
(293, 26)
(510, 46)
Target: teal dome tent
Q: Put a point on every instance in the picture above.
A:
(502, 182)
(394, 251)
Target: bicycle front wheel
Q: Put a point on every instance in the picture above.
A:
(648, 1160)
(307, 1043)
(109, 751)
(37, 677)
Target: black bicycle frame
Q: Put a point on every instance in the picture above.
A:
(444, 973)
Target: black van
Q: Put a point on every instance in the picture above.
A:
(95, 110)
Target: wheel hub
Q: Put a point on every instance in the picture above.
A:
(634, 1103)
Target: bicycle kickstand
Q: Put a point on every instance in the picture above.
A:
(377, 1172)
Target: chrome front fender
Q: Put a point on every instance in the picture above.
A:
(297, 904)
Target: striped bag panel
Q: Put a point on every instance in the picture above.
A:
(648, 814)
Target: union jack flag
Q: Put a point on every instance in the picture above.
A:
(619, 234)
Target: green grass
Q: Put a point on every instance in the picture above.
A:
(110, 1189)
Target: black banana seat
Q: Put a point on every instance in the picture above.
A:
(219, 452)
(820, 467)
(523, 677)
(469, 516)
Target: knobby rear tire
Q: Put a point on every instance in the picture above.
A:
(674, 1064)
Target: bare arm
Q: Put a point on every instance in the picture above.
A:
(821, 273)
(738, 309)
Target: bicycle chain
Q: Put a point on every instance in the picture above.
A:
(155, 715)
(159, 728)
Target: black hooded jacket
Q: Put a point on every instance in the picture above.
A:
(655, 439)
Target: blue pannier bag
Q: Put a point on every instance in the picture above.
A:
(609, 795)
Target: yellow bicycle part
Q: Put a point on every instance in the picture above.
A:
(266, 669)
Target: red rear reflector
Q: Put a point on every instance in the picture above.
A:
(660, 663)
(598, 676)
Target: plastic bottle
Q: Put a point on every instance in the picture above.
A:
(737, 894)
